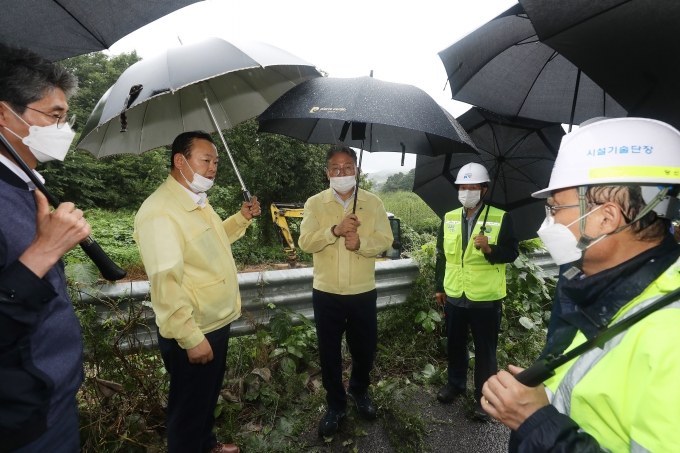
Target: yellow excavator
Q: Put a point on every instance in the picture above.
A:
(282, 211)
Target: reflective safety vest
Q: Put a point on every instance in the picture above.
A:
(627, 394)
(471, 273)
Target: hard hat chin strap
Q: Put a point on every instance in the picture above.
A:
(586, 240)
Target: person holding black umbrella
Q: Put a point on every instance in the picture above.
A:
(41, 345)
(344, 296)
(473, 246)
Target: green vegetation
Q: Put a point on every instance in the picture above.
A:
(399, 182)
(272, 392)
(412, 211)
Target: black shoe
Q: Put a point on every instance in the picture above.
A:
(329, 423)
(365, 406)
(448, 393)
(480, 414)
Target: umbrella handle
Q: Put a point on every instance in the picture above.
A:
(110, 271)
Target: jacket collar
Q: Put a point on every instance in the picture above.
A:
(327, 195)
(180, 194)
(600, 296)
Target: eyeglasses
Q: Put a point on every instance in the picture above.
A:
(550, 210)
(62, 119)
(347, 170)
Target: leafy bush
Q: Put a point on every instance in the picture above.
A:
(114, 233)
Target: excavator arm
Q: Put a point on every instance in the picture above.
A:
(279, 213)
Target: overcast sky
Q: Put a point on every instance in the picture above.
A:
(397, 39)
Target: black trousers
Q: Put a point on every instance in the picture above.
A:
(485, 324)
(194, 389)
(356, 316)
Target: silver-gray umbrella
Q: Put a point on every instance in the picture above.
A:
(211, 85)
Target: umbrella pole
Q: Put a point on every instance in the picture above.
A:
(246, 194)
(356, 190)
(482, 230)
(573, 104)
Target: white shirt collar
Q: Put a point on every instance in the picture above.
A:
(199, 198)
(20, 173)
(344, 203)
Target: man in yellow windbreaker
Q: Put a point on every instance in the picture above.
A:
(612, 197)
(186, 250)
(344, 295)
(470, 281)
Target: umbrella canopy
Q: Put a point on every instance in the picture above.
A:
(66, 28)
(628, 47)
(502, 67)
(164, 96)
(519, 156)
(375, 115)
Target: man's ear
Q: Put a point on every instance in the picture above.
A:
(178, 161)
(611, 218)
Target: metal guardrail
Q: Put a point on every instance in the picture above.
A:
(286, 288)
(543, 259)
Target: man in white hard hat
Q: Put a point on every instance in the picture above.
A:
(470, 281)
(612, 196)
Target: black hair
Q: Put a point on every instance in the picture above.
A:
(183, 144)
(26, 77)
(335, 149)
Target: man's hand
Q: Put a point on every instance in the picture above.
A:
(200, 354)
(482, 242)
(441, 298)
(510, 402)
(349, 224)
(251, 209)
(352, 241)
(57, 232)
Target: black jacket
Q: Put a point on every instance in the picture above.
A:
(40, 338)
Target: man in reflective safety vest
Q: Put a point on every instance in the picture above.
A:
(470, 281)
(612, 196)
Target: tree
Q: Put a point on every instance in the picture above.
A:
(400, 181)
(96, 73)
(114, 182)
(273, 167)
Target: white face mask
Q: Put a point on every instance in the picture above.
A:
(343, 184)
(469, 198)
(199, 183)
(46, 142)
(560, 241)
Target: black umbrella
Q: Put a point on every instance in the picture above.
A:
(66, 28)
(519, 156)
(502, 67)
(628, 47)
(366, 113)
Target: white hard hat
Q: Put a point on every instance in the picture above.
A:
(621, 151)
(472, 173)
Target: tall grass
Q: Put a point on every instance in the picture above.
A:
(412, 211)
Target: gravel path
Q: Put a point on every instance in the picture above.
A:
(450, 430)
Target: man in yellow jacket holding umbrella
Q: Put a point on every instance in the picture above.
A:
(612, 196)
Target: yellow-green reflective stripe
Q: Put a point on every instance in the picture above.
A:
(641, 171)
